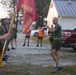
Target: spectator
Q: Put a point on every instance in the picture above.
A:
(40, 36)
(14, 37)
(50, 34)
(27, 37)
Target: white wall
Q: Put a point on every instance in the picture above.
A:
(67, 23)
(51, 13)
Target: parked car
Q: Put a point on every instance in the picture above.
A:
(35, 32)
(69, 38)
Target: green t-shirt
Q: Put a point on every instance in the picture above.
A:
(58, 31)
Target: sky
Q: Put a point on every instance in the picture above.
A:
(3, 12)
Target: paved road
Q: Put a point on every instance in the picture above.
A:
(35, 55)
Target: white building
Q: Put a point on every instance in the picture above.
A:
(65, 10)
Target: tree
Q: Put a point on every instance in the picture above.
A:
(9, 5)
(42, 9)
(41, 5)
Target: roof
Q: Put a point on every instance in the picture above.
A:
(65, 8)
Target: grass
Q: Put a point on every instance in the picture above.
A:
(45, 40)
(66, 70)
(29, 69)
(35, 70)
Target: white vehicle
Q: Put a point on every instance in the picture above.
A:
(35, 32)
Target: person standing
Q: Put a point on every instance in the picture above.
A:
(27, 37)
(3, 34)
(56, 44)
(7, 25)
(14, 34)
(13, 37)
(40, 36)
(50, 34)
